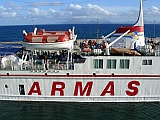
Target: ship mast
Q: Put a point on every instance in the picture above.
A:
(140, 21)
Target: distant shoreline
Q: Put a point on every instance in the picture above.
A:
(80, 24)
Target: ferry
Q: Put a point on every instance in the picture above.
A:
(50, 66)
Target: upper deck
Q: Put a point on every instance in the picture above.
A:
(85, 62)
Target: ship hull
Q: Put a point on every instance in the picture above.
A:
(80, 88)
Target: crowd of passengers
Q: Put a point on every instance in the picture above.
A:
(90, 45)
(57, 56)
(152, 43)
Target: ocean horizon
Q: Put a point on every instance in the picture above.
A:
(84, 31)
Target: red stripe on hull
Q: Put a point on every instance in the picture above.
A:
(77, 76)
(123, 29)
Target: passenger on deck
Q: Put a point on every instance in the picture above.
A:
(45, 63)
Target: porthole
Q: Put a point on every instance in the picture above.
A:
(6, 86)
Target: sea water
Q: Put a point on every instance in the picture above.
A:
(78, 111)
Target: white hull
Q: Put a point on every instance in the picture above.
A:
(80, 89)
(80, 99)
(48, 46)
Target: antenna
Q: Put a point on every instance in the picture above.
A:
(154, 28)
(97, 29)
(33, 24)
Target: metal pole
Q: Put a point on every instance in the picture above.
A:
(97, 29)
(33, 24)
(154, 28)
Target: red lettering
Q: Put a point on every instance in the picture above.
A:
(33, 90)
(133, 90)
(78, 87)
(111, 91)
(60, 89)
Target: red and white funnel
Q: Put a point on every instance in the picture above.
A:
(135, 37)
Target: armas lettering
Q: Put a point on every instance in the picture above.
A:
(87, 89)
(80, 89)
(133, 88)
(108, 89)
(35, 89)
(60, 89)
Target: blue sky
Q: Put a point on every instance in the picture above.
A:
(22, 12)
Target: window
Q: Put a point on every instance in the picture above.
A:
(147, 62)
(124, 64)
(98, 63)
(111, 63)
(6, 86)
(21, 90)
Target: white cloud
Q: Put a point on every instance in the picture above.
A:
(154, 10)
(2, 9)
(90, 11)
(36, 12)
(73, 13)
(98, 10)
(13, 6)
(8, 12)
(131, 14)
(74, 7)
(44, 3)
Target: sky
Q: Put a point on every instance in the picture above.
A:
(24, 12)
